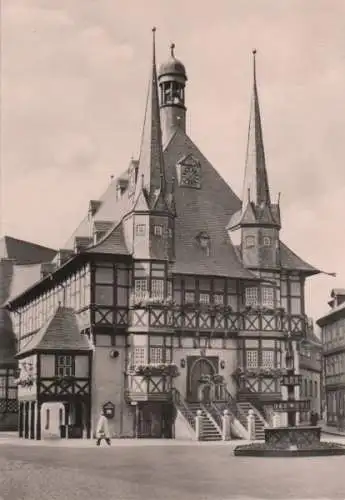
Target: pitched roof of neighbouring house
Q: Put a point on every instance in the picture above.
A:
(61, 332)
(7, 340)
(24, 252)
(24, 276)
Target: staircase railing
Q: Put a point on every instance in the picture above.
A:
(215, 413)
(183, 407)
(233, 407)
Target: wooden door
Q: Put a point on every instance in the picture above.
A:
(200, 367)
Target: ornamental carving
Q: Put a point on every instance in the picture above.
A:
(189, 172)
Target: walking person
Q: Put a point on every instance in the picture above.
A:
(102, 431)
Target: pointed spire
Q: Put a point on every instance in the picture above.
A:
(151, 161)
(255, 179)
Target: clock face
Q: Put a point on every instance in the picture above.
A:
(190, 173)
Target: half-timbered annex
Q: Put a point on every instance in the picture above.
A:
(333, 340)
(19, 262)
(185, 293)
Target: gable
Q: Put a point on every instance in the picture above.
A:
(207, 209)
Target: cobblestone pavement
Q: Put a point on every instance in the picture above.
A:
(162, 472)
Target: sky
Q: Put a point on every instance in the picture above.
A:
(74, 78)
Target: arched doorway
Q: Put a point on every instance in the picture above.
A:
(200, 388)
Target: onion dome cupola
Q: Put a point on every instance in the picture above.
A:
(172, 77)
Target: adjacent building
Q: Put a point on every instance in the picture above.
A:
(20, 266)
(332, 327)
(172, 294)
(311, 371)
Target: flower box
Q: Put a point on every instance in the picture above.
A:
(153, 369)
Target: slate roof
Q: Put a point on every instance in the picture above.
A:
(291, 261)
(24, 276)
(61, 332)
(112, 243)
(332, 315)
(24, 252)
(206, 210)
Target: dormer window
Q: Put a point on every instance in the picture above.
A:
(204, 242)
(250, 241)
(158, 230)
(140, 229)
(267, 241)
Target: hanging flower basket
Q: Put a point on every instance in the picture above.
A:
(153, 369)
(147, 301)
(24, 382)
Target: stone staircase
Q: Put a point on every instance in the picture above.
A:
(245, 406)
(210, 430)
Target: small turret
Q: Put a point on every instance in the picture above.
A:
(172, 81)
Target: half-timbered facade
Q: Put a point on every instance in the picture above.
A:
(178, 313)
(333, 340)
(18, 258)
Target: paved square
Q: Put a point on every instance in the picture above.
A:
(199, 471)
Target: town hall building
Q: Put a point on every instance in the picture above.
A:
(152, 309)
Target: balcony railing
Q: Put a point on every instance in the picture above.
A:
(165, 314)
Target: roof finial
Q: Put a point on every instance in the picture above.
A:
(254, 65)
(172, 47)
(154, 45)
